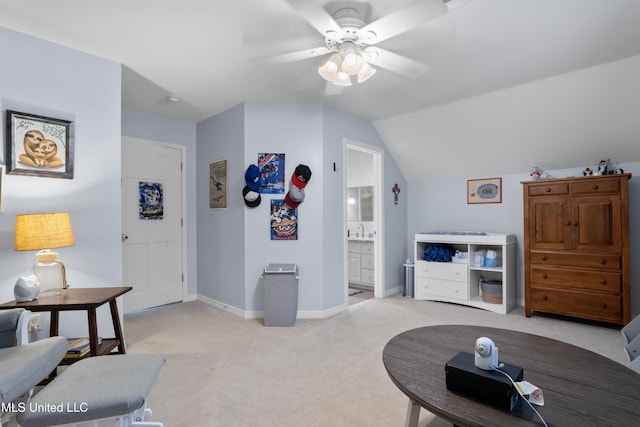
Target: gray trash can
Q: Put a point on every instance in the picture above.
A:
(408, 278)
(280, 294)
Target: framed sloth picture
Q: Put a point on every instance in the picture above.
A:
(39, 146)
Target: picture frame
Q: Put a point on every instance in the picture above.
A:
(39, 146)
(487, 190)
(218, 185)
(2, 184)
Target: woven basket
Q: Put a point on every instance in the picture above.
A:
(492, 298)
(491, 291)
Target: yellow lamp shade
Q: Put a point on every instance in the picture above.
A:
(43, 231)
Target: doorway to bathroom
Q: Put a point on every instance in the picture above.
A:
(363, 212)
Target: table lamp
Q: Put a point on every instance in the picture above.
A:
(43, 232)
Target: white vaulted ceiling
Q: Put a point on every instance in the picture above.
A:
(203, 51)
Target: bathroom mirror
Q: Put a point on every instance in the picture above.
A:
(360, 203)
(366, 203)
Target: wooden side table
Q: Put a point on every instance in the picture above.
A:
(88, 299)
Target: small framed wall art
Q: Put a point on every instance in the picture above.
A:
(218, 185)
(39, 146)
(488, 190)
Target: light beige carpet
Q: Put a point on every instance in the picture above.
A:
(222, 370)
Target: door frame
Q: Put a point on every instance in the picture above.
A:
(183, 202)
(378, 195)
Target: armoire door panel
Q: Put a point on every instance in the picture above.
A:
(597, 224)
(549, 225)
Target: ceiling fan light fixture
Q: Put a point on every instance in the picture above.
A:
(343, 79)
(352, 63)
(351, 59)
(366, 72)
(329, 71)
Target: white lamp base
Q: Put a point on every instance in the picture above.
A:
(50, 276)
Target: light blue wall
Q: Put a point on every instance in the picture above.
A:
(147, 126)
(221, 262)
(295, 130)
(70, 85)
(441, 205)
(234, 245)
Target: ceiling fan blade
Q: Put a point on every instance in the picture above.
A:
(292, 56)
(404, 20)
(393, 62)
(315, 15)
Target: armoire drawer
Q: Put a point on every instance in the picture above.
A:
(548, 189)
(441, 270)
(441, 288)
(595, 186)
(576, 279)
(606, 262)
(594, 305)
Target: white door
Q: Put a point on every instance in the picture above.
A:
(152, 223)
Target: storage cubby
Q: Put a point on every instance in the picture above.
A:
(459, 280)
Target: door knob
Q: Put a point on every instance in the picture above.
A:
(124, 237)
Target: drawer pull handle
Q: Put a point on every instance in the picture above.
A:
(603, 305)
(544, 257)
(548, 190)
(595, 186)
(603, 261)
(544, 297)
(544, 276)
(567, 222)
(574, 223)
(603, 281)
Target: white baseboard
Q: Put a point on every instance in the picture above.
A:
(302, 314)
(393, 291)
(189, 298)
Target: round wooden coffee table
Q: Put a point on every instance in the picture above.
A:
(580, 387)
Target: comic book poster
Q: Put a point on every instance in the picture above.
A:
(271, 173)
(150, 200)
(284, 221)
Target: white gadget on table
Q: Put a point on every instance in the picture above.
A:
(486, 354)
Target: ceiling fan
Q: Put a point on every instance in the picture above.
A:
(351, 41)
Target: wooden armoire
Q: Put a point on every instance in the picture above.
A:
(576, 247)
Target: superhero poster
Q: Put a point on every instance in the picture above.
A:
(151, 200)
(271, 173)
(284, 221)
